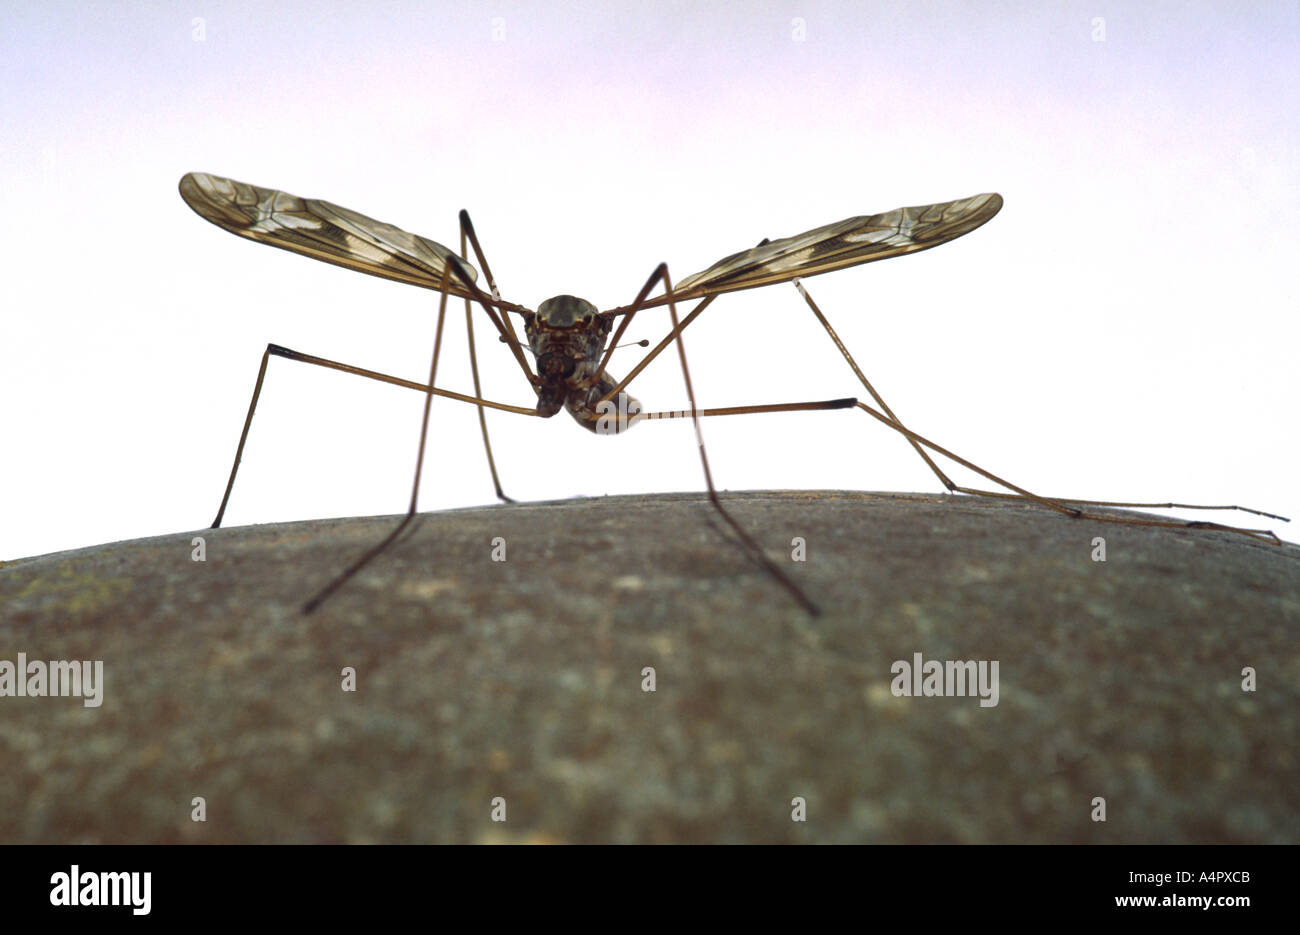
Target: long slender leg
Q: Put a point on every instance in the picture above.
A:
(243, 437)
(275, 350)
(645, 361)
(944, 479)
(473, 357)
(1060, 503)
(1063, 506)
(846, 403)
(661, 273)
(1134, 504)
(506, 329)
(369, 556)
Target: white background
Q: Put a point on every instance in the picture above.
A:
(1125, 328)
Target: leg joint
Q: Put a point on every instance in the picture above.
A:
(278, 351)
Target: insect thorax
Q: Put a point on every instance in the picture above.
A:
(567, 335)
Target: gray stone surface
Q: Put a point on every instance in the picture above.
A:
(523, 679)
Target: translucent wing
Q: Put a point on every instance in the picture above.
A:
(322, 231)
(835, 246)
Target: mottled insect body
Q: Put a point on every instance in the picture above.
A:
(571, 340)
(568, 335)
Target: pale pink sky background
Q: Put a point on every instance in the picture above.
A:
(1126, 328)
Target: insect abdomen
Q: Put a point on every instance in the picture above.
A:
(615, 415)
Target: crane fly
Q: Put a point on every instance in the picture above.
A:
(571, 341)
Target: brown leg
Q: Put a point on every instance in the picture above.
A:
(661, 273)
(468, 228)
(502, 324)
(365, 559)
(645, 361)
(275, 350)
(1061, 504)
(846, 403)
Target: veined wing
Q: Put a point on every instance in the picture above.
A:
(835, 246)
(322, 230)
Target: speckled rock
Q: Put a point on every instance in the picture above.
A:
(524, 681)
